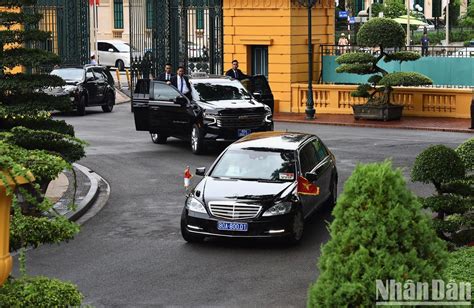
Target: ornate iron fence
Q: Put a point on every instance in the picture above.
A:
(181, 32)
(68, 22)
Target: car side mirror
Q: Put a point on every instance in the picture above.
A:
(110, 50)
(181, 100)
(311, 176)
(201, 171)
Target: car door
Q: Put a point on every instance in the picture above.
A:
(260, 89)
(166, 115)
(101, 84)
(324, 169)
(310, 161)
(91, 86)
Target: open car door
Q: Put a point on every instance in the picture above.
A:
(260, 89)
(140, 100)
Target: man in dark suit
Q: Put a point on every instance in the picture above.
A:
(235, 73)
(167, 74)
(182, 83)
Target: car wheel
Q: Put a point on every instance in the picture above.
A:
(297, 229)
(81, 106)
(158, 138)
(188, 236)
(109, 103)
(120, 65)
(197, 140)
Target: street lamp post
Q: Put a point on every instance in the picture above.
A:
(310, 111)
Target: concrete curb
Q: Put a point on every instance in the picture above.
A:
(454, 130)
(91, 196)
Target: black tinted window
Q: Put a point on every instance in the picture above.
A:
(216, 92)
(320, 150)
(100, 75)
(260, 85)
(308, 158)
(163, 92)
(102, 46)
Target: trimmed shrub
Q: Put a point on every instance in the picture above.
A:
(378, 232)
(39, 292)
(461, 265)
(381, 32)
(466, 153)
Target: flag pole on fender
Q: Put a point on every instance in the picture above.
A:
(187, 178)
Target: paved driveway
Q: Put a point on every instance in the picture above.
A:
(132, 253)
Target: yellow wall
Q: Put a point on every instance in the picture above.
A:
(420, 102)
(17, 69)
(282, 26)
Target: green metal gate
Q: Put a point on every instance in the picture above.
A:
(68, 22)
(182, 32)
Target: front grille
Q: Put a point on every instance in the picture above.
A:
(233, 210)
(241, 121)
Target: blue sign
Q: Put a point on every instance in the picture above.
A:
(343, 14)
(352, 20)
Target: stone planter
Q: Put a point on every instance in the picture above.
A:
(377, 112)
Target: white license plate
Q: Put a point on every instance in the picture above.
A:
(232, 226)
(243, 132)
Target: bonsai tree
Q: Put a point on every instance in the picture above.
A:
(380, 34)
(31, 140)
(378, 232)
(453, 201)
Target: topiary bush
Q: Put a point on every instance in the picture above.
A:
(39, 292)
(466, 153)
(378, 232)
(453, 202)
(380, 33)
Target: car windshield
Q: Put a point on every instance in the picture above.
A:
(220, 91)
(256, 164)
(69, 74)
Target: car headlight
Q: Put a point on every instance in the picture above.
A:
(268, 114)
(195, 205)
(278, 209)
(209, 119)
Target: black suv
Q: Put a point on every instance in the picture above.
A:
(221, 110)
(87, 86)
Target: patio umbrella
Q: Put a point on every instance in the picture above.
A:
(413, 21)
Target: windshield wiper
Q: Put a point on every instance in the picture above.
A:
(261, 180)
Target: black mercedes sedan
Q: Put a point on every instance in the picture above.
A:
(263, 185)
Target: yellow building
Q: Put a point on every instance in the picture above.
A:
(271, 37)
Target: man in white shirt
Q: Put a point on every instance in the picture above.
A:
(181, 82)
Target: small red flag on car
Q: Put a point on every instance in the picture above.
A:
(305, 187)
(91, 2)
(187, 177)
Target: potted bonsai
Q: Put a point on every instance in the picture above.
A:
(380, 34)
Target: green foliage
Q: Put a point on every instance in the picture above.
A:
(378, 232)
(356, 58)
(405, 79)
(437, 164)
(44, 166)
(468, 19)
(374, 79)
(402, 56)
(18, 36)
(376, 9)
(9, 82)
(8, 19)
(41, 292)
(32, 231)
(70, 148)
(453, 202)
(28, 57)
(461, 265)
(362, 91)
(381, 32)
(58, 126)
(35, 102)
(466, 153)
(394, 9)
(361, 69)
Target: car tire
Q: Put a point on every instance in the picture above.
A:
(109, 102)
(197, 140)
(188, 236)
(120, 65)
(297, 229)
(158, 138)
(81, 106)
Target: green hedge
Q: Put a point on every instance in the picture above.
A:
(39, 292)
(461, 265)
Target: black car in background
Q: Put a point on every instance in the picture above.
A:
(263, 185)
(221, 110)
(86, 86)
